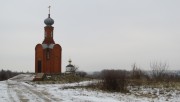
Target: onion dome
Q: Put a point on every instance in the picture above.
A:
(69, 65)
(49, 21)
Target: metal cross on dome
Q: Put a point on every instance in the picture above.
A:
(49, 9)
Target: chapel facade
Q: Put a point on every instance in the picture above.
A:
(48, 54)
(70, 68)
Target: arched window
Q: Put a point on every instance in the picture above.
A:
(52, 34)
(45, 34)
(48, 54)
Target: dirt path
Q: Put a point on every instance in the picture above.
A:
(9, 91)
(19, 91)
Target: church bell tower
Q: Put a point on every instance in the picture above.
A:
(48, 54)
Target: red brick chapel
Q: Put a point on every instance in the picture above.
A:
(48, 54)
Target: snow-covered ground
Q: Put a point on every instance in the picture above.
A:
(20, 89)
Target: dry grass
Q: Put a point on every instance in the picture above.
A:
(63, 78)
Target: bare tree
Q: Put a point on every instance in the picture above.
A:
(136, 72)
(158, 70)
(74, 69)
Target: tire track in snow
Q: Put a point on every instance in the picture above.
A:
(9, 91)
(19, 90)
(38, 93)
(45, 95)
(24, 94)
(16, 92)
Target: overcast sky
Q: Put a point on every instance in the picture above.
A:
(95, 34)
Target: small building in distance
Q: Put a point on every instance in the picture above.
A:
(70, 68)
(48, 54)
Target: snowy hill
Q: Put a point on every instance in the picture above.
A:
(21, 89)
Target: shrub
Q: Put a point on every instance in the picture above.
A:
(114, 80)
(81, 73)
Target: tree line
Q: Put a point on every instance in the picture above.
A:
(119, 80)
(6, 74)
